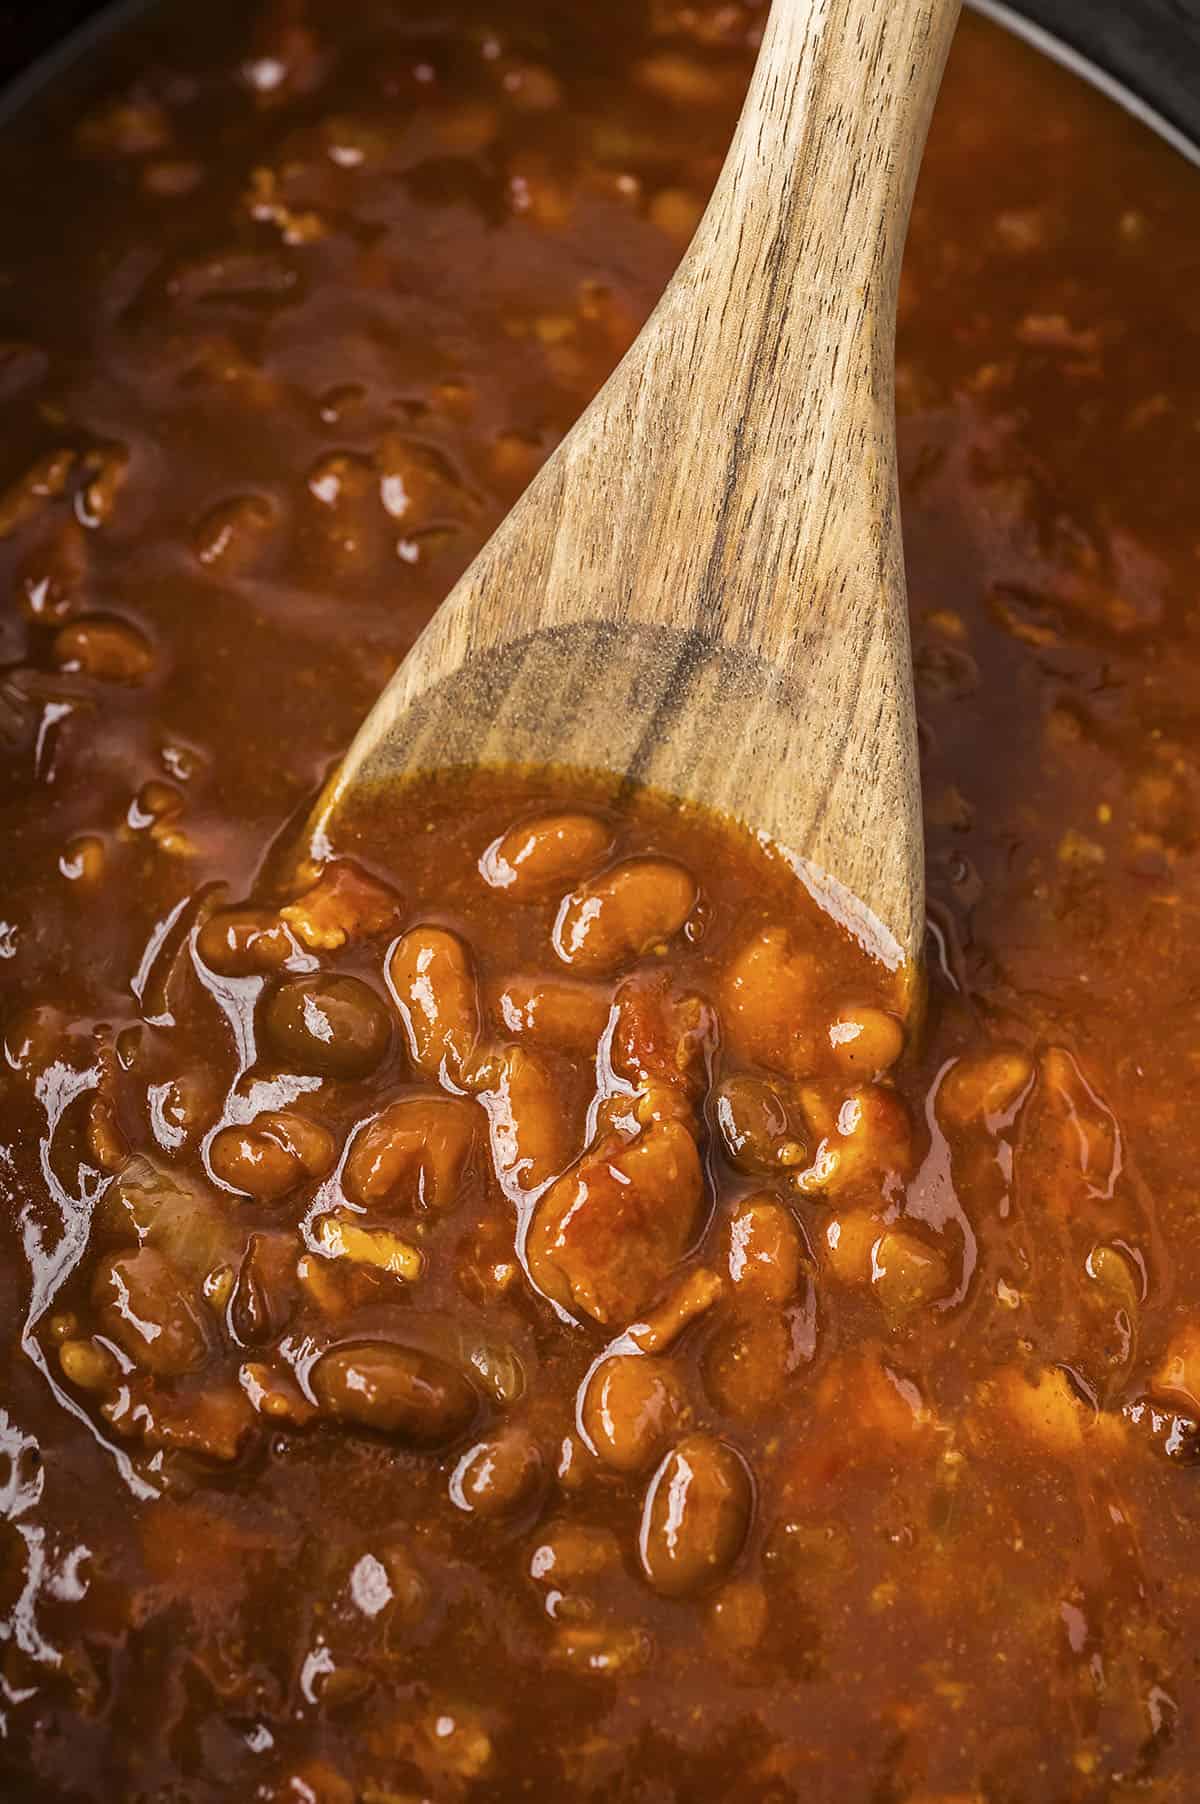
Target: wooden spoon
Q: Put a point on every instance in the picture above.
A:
(703, 589)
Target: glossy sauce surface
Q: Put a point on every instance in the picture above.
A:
(505, 1313)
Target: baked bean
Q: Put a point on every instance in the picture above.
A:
(145, 1307)
(233, 536)
(84, 859)
(627, 911)
(756, 1129)
(497, 1475)
(433, 981)
(245, 942)
(272, 1154)
(631, 1407)
(415, 1153)
(343, 904)
(569, 1015)
(609, 1652)
(88, 1365)
(1114, 1273)
(696, 1516)
(529, 1128)
(984, 1088)
(567, 1558)
(111, 651)
(765, 1250)
(767, 1000)
(274, 1395)
(871, 1143)
(106, 1142)
(906, 1273)
(397, 1391)
(330, 1026)
(264, 1295)
(30, 494)
(497, 1368)
(1111, 1311)
(544, 853)
(1079, 1146)
(849, 1239)
(609, 1231)
(866, 1041)
(747, 1362)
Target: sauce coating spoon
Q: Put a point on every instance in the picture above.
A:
(703, 588)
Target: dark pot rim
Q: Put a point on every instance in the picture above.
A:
(1145, 58)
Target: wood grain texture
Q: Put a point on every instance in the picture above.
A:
(703, 589)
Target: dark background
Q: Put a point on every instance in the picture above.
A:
(1153, 45)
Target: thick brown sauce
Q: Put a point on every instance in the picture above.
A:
(286, 332)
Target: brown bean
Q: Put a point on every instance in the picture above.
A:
(497, 1475)
(541, 854)
(265, 1293)
(432, 978)
(414, 1153)
(272, 1154)
(610, 1230)
(145, 1307)
(29, 495)
(529, 1127)
(234, 535)
(89, 1365)
(985, 1088)
(395, 1390)
(906, 1273)
(632, 1406)
(106, 1141)
(245, 942)
(570, 1015)
(330, 1026)
(766, 1002)
(568, 1559)
(111, 651)
(83, 859)
(765, 1250)
(866, 1041)
(756, 1130)
(606, 1651)
(627, 911)
(696, 1516)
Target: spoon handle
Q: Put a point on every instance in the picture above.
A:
(788, 296)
